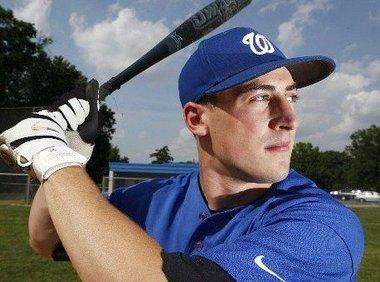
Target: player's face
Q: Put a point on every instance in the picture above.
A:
(252, 128)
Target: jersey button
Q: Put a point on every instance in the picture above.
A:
(198, 245)
(202, 216)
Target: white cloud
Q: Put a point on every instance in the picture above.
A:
(115, 43)
(273, 5)
(369, 68)
(36, 12)
(359, 110)
(374, 16)
(347, 101)
(291, 32)
(345, 82)
(184, 148)
(364, 105)
(114, 8)
(349, 49)
(290, 36)
(184, 136)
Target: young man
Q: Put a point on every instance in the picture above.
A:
(244, 215)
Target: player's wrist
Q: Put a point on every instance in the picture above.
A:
(52, 159)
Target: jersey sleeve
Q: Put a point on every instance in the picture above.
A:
(290, 249)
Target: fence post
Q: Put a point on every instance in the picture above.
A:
(110, 182)
(28, 189)
(103, 183)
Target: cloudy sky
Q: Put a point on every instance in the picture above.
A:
(103, 37)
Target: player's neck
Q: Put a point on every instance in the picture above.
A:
(223, 191)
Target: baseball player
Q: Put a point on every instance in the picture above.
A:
(244, 215)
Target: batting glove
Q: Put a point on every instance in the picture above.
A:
(77, 113)
(39, 144)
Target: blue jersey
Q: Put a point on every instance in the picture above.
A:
(294, 232)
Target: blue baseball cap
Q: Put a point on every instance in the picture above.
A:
(238, 55)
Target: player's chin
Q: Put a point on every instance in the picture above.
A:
(275, 176)
(269, 173)
(281, 175)
(277, 172)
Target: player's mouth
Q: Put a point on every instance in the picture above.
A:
(279, 147)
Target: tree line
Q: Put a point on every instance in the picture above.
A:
(29, 77)
(357, 167)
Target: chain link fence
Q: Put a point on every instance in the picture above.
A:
(17, 187)
(21, 187)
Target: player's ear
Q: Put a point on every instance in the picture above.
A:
(194, 116)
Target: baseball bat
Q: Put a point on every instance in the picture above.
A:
(194, 28)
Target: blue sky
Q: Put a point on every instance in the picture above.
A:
(103, 37)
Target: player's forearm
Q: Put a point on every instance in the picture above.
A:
(43, 237)
(102, 243)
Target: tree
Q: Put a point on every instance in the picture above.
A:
(189, 162)
(124, 159)
(332, 169)
(115, 155)
(365, 152)
(30, 78)
(162, 155)
(328, 169)
(304, 160)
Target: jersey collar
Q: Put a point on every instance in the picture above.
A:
(196, 201)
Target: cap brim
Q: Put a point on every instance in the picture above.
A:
(304, 70)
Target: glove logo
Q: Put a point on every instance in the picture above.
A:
(258, 43)
(38, 126)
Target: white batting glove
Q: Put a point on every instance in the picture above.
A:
(39, 144)
(77, 112)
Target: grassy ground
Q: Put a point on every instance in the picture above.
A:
(19, 263)
(370, 218)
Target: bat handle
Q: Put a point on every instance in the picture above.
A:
(107, 88)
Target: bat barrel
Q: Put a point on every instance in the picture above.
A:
(156, 54)
(200, 24)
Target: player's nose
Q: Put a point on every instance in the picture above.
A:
(284, 115)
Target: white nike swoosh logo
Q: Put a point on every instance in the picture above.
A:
(259, 262)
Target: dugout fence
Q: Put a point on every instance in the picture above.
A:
(21, 187)
(17, 187)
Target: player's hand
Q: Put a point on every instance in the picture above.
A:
(39, 144)
(81, 124)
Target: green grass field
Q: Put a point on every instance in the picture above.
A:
(19, 263)
(17, 260)
(370, 267)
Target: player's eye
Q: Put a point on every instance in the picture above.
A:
(293, 98)
(260, 98)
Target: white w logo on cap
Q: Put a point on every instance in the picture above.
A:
(261, 42)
